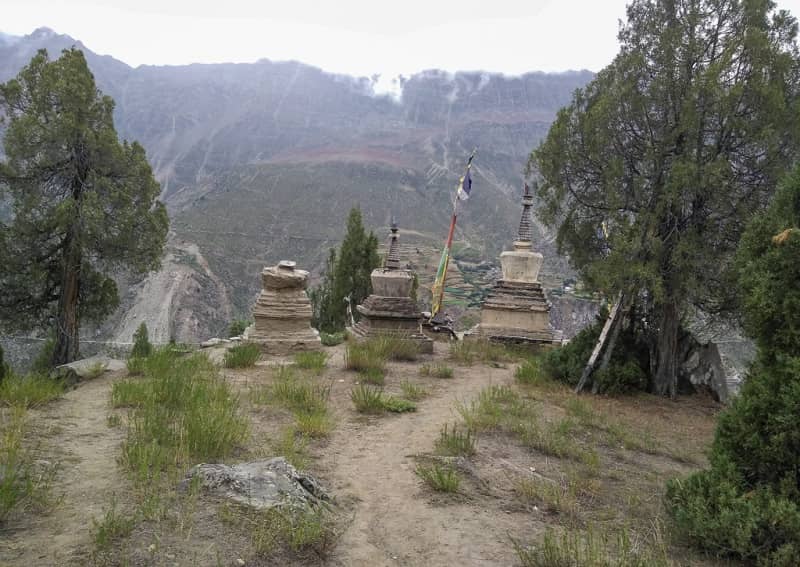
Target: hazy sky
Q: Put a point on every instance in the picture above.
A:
(346, 36)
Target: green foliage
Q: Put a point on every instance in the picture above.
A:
(237, 328)
(29, 391)
(367, 399)
(624, 373)
(43, 362)
(768, 272)
(331, 339)
(661, 147)
(436, 370)
(748, 503)
(306, 399)
(84, 205)
(4, 368)
(304, 531)
(374, 376)
(413, 392)
(347, 274)
(182, 412)
(398, 405)
(572, 549)
(23, 483)
(441, 478)
(141, 343)
(242, 356)
(368, 356)
(455, 442)
(314, 361)
(468, 352)
(113, 526)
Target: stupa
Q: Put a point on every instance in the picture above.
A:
(282, 312)
(390, 310)
(516, 309)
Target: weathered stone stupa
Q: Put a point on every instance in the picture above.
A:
(282, 312)
(390, 309)
(516, 309)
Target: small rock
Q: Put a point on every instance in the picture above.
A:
(240, 561)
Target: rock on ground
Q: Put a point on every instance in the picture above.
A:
(259, 484)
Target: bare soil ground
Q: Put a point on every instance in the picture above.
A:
(387, 516)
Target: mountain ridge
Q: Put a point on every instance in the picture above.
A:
(280, 151)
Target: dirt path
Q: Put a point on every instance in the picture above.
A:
(74, 433)
(396, 521)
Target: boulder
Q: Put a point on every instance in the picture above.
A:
(259, 484)
(86, 367)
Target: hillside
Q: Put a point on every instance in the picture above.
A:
(261, 162)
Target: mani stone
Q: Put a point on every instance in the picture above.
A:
(282, 312)
(390, 311)
(516, 309)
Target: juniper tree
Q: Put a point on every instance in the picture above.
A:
(83, 204)
(671, 148)
(347, 274)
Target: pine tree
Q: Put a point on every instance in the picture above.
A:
(83, 204)
(671, 148)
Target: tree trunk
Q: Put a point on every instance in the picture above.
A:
(67, 324)
(665, 380)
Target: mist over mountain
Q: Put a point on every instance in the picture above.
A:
(261, 162)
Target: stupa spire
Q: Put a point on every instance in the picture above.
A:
(524, 235)
(393, 256)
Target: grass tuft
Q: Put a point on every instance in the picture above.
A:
(467, 352)
(314, 361)
(23, 484)
(456, 442)
(29, 391)
(112, 527)
(372, 376)
(242, 356)
(439, 477)
(367, 399)
(413, 392)
(436, 370)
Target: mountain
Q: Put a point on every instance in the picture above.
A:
(261, 162)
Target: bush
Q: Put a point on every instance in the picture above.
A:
(141, 343)
(237, 328)
(625, 372)
(242, 356)
(331, 339)
(43, 363)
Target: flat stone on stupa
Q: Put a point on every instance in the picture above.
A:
(282, 312)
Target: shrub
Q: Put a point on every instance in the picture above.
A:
(237, 328)
(141, 343)
(748, 503)
(242, 356)
(398, 405)
(29, 391)
(331, 339)
(441, 478)
(43, 363)
(314, 361)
